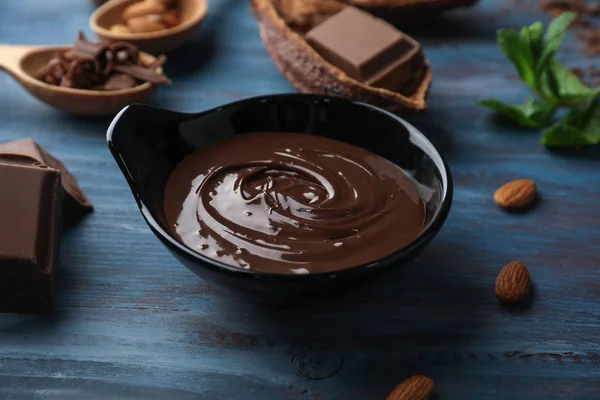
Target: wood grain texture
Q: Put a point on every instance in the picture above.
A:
(132, 323)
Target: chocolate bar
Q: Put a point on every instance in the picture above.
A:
(369, 50)
(75, 203)
(30, 226)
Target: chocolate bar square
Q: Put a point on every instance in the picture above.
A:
(367, 49)
(75, 203)
(30, 226)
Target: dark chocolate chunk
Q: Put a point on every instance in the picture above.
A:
(368, 49)
(30, 226)
(75, 203)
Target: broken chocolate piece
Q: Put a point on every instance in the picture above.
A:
(368, 49)
(75, 203)
(30, 211)
(142, 73)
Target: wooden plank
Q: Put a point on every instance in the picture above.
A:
(132, 322)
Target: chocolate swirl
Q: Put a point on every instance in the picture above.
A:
(291, 203)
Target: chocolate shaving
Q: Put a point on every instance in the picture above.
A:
(125, 53)
(82, 73)
(145, 73)
(118, 82)
(98, 66)
(54, 71)
(85, 48)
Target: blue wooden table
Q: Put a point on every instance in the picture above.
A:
(131, 323)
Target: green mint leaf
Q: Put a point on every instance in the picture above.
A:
(519, 53)
(581, 127)
(533, 113)
(533, 37)
(563, 85)
(561, 134)
(554, 36)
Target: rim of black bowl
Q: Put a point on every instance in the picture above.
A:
(384, 262)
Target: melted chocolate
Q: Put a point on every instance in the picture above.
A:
(291, 204)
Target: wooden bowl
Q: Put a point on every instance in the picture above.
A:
(23, 63)
(192, 12)
(146, 144)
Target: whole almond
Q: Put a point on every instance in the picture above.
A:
(417, 387)
(143, 8)
(516, 194)
(513, 283)
(146, 23)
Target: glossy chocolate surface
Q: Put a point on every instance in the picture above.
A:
(148, 143)
(291, 203)
(368, 49)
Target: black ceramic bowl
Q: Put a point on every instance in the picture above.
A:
(148, 142)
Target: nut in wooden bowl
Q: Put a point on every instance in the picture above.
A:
(314, 43)
(155, 26)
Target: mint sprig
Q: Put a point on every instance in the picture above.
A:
(533, 113)
(552, 84)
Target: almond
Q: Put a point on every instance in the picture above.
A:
(416, 387)
(143, 8)
(516, 194)
(513, 283)
(146, 23)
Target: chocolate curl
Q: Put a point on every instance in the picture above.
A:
(118, 82)
(82, 73)
(93, 65)
(84, 48)
(125, 53)
(145, 73)
(53, 72)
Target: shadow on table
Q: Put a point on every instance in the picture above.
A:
(383, 333)
(451, 28)
(432, 124)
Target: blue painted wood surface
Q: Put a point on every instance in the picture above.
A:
(131, 323)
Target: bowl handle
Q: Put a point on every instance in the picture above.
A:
(135, 138)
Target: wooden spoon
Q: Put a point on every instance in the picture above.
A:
(23, 62)
(191, 14)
